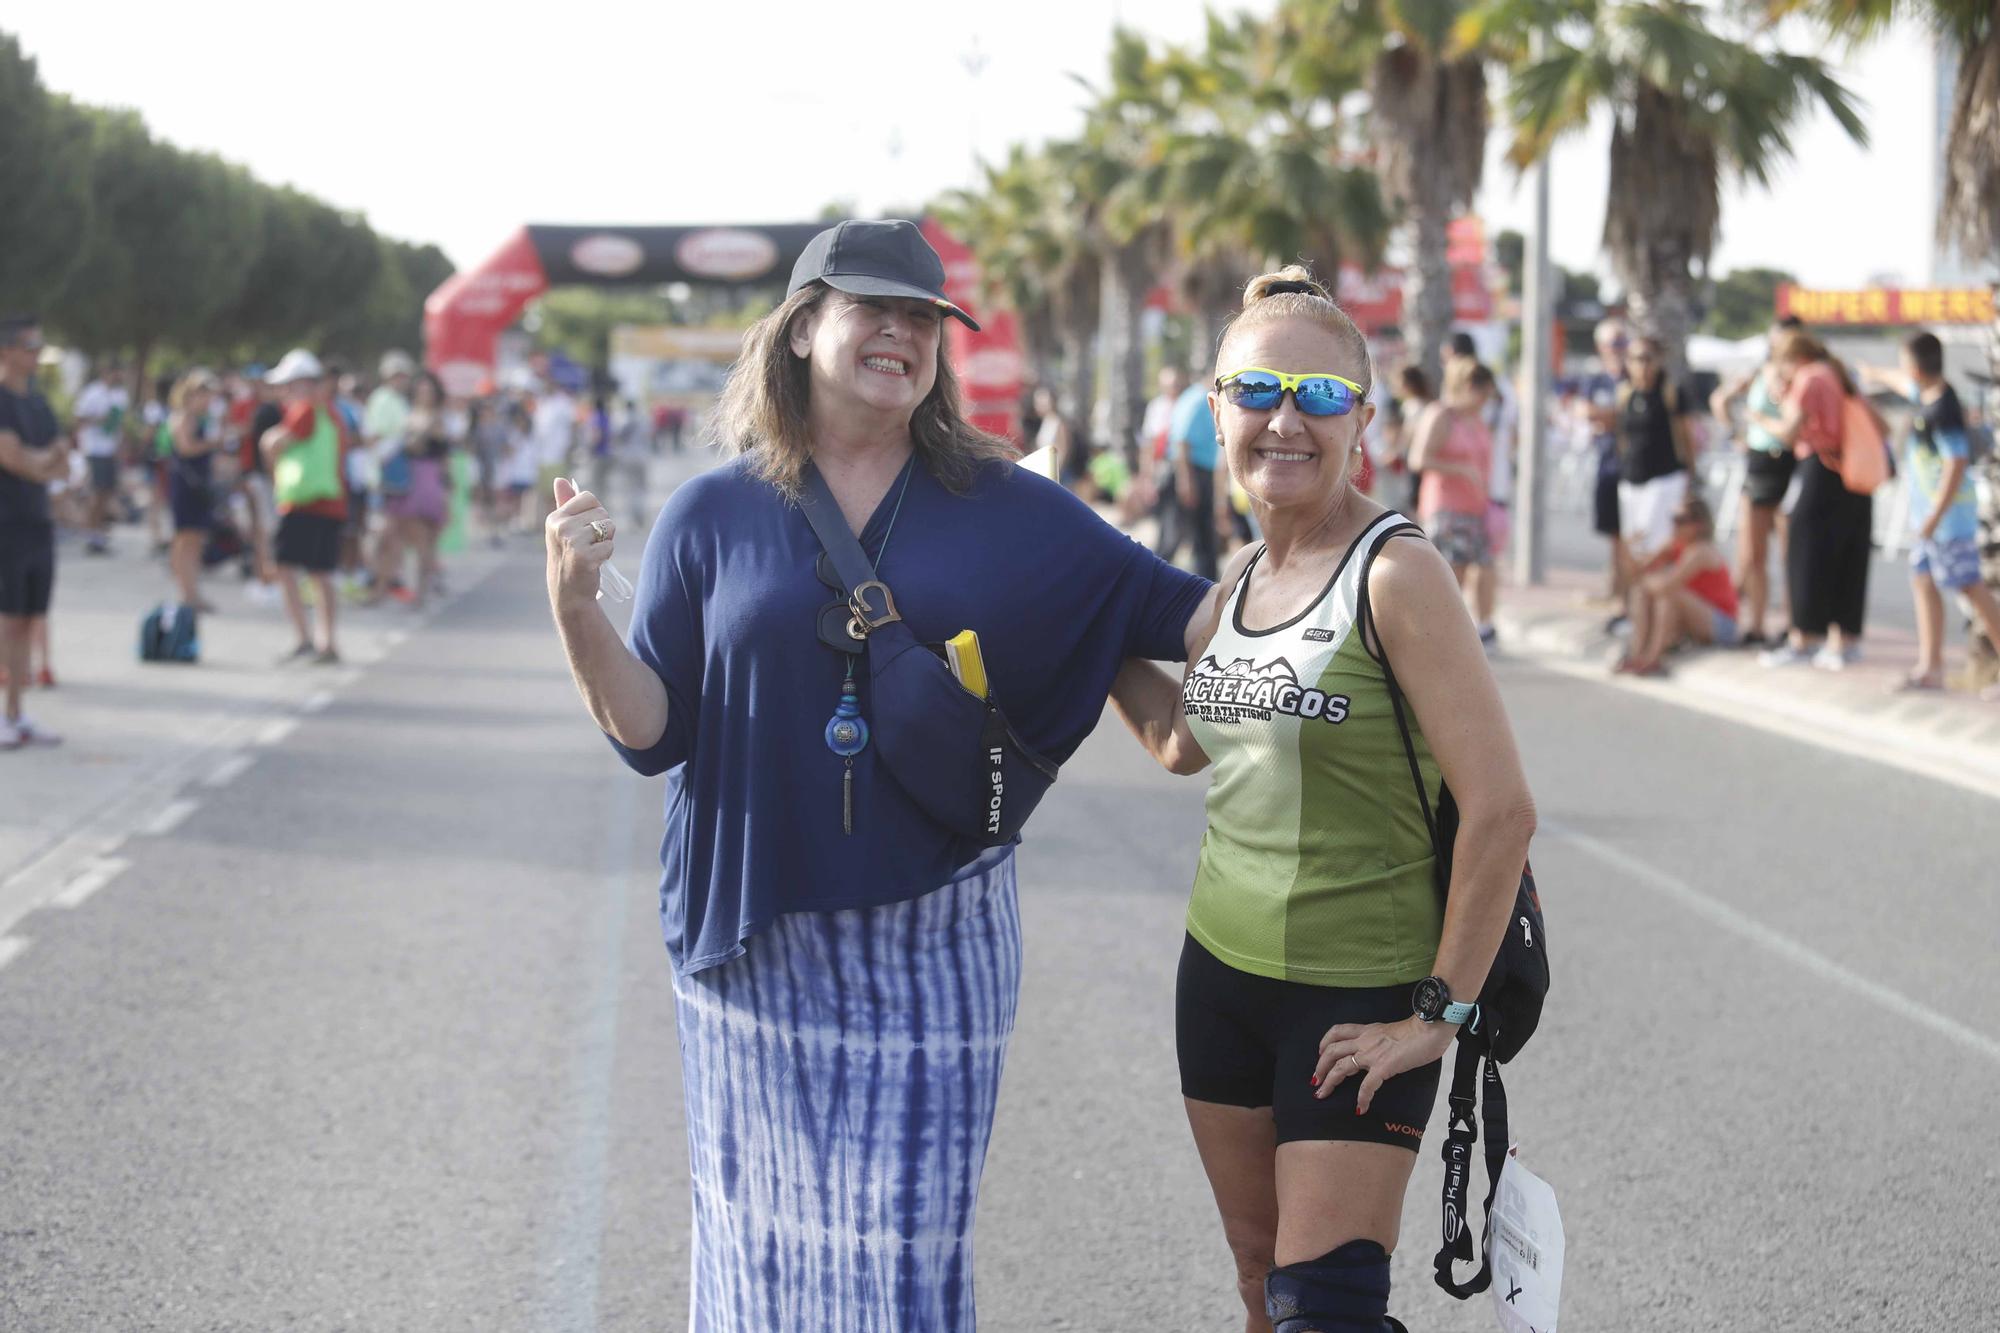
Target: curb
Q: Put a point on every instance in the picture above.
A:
(1951, 738)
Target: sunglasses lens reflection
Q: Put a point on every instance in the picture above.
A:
(1324, 397)
(1254, 391)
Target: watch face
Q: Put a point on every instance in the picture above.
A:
(1430, 998)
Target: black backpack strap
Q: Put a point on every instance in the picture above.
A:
(1475, 1078)
(850, 562)
(867, 596)
(1365, 614)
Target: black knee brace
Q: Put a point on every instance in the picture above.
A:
(1346, 1291)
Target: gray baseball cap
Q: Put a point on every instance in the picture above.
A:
(889, 258)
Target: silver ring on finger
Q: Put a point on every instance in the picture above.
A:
(1356, 1063)
(600, 531)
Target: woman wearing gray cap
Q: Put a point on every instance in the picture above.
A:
(846, 769)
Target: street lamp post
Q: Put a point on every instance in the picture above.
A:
(1530, 550)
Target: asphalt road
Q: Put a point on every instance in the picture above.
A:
(380, 1035)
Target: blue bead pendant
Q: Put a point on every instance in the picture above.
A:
(847, 732)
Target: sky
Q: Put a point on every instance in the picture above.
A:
(454, 123)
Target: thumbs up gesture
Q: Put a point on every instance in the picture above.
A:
(580, 536)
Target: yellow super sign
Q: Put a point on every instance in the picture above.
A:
(1890, 305)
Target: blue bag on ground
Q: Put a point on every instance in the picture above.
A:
(169, 634)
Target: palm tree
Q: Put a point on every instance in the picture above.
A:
(1000, 221)
(1426, 80)
(1117, 179)
(1035, 261)
(1261, 175)
(1688, 104)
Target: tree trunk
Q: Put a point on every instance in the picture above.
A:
(1214, 293)
(141, 391)
(1126, 279)
(1211, 315)
(1427, 303)
(1040, 344)
(1661, 301)
(1079, 340)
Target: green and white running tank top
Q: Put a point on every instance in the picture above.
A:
(1316, 865)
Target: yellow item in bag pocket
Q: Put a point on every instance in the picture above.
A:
(961, 654)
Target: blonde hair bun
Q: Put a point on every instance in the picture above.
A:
(1290, 279)
(1293, 293)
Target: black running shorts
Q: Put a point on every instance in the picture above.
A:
(1247, 1040)
(1604, 505)
(27, 571)
(1766, 477)
(308, 541)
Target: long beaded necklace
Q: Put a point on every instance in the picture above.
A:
(847, 730)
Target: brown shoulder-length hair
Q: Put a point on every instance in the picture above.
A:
(762, 413)
(1799, 346)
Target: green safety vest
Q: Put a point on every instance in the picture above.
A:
(309, 472)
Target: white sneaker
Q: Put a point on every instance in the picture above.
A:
(22, 732)
(1827, 659)
(1785, 655)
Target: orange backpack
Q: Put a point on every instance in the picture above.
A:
(1864, 454)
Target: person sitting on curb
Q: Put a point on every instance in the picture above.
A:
(1944, 507)
(1685, 594)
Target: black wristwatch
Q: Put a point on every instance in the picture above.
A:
(1431, 1000)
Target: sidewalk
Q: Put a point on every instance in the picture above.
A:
(1950, 735)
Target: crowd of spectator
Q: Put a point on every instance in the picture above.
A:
(322, 486)
(1649, 441)
(314, 484)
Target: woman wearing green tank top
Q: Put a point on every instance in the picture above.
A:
(1308, 1049)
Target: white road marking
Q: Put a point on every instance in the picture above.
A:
(53, 866)
(11, 947)
(317, 702)
(169, 818)
(103, 829)
(395, 637)
(230, 769)
(1770, 712)
(275, 732)
(1784, 946)
(93, 877)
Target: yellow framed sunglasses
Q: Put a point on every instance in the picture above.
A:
(1318, 393)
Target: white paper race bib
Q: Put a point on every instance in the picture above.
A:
(1525, 1241)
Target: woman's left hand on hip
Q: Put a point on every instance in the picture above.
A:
(1377, 1052)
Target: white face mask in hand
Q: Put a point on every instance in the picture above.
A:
(1526, 1245)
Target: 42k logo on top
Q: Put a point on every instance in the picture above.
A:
(1247, 691)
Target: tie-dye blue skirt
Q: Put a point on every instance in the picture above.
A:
(841, 1077)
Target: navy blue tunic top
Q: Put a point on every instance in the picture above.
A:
(725, 613)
